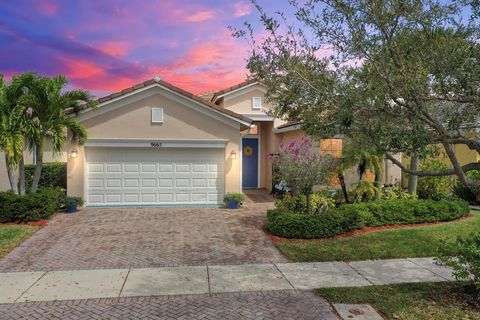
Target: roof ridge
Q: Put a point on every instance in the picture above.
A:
(176, 89)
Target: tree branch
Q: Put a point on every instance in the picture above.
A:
(447, 172)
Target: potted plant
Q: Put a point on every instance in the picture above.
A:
(233, 199)
(72, 203)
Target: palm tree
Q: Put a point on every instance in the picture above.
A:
(365, 159)
(18, 87)
(48, 104)
(11, 133)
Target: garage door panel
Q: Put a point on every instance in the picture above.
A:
(182, 168)
(149, 183)
(114, 168)
(95, 167)
(131, 198)
(137, 176)
(131, 183)
(115, 198)
(131, 168)
(165, 168)
(165, 182)
(165, 198)
(95, 183)
(182, 183)
(182, 197)
(95, 199)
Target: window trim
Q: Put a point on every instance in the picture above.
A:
(260, 103)
(156, 109)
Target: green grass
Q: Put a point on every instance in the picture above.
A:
(395, 243)
(12, 235)
(432, 301)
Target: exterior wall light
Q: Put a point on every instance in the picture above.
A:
(233, 155)
(73, 153)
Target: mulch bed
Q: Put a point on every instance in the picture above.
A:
(39, 223)
(276, 239)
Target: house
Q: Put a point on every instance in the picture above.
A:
(156, 144)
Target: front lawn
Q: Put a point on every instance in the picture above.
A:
(432, 301)
(396, 243)
(12, 235)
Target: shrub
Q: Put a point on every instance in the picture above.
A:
(234, 196)
(318, 203)
(466, 262)
(73, 201)
(433, 187)
(298, 225)
(32, 206)
(54, 175)
(350, 217)
(470, 194)
(364, 191)
(397, 193)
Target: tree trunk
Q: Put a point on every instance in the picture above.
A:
(11, 176)
(412, 179)
(21, 176)
(309, 205)
(38, 165)
(378, 183)
(341, 178)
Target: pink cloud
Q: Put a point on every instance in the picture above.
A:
(200, 16)
(241, 9)
(114, 48)
(48, 8)
(81, 69)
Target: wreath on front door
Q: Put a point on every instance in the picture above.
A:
(248, 151)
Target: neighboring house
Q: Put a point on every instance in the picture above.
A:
(156, 144)
(29, 158)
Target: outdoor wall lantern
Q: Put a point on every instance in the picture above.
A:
(73, 153)
(233, 155)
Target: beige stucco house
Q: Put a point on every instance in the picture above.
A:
(156, 144)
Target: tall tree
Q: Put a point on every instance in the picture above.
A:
(48, 103)
(399, 75)
(11, 137)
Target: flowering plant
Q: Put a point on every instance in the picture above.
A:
(300, 166)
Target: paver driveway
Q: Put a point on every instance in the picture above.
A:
(146, 237)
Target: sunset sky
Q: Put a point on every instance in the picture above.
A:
(107, 45)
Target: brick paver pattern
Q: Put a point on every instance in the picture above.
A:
(98, 238)
(147, 237)
(256, 305)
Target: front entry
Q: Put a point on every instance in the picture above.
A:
(250, 163)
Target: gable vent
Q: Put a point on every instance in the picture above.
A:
(256, 102)
(157, 115)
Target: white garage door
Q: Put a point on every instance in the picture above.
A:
(137, 176)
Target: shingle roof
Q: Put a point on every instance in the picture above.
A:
(289, 124)
(235, 87)
(177, 90)
(207, 96)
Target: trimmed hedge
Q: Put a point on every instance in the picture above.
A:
(323, 225)
(351, 217)
(54, 175)
(30, 207)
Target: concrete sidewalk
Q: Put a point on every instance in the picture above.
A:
(192, 280)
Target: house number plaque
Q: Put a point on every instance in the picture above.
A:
(155, 144)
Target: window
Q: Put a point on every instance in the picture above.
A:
(257, 103)
(332, 147)
(157, 115)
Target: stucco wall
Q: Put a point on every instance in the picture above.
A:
(180, 122)
(47, 157)
(241, 101)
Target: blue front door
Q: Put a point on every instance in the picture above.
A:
(250, 163)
